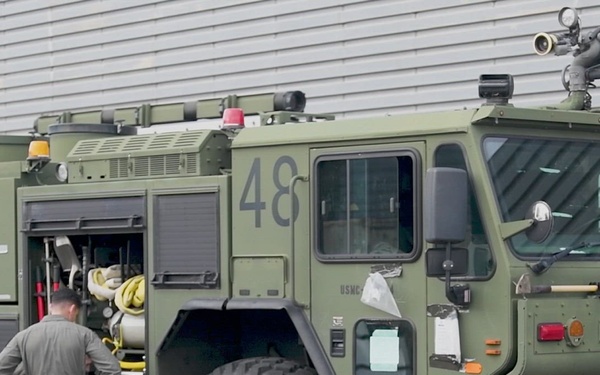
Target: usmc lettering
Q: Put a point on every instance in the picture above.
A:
(350, 289)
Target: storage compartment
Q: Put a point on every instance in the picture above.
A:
(107, 270)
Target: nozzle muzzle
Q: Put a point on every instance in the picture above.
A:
(544, 43)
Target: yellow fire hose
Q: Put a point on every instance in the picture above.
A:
(129, 298)
(125, 365)
(100, 286)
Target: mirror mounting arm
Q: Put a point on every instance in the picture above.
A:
(459, 294)
(509, 229)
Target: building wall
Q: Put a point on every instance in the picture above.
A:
(351, 57)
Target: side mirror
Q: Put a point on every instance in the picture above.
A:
(445, 205)
(445, 220)
(543, 222)
(436, 257)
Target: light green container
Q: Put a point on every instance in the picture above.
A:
(14, 147)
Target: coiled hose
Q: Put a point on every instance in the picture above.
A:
(125, 365)
(103, 282)
(130, 296)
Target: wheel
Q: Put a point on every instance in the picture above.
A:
(263, 366)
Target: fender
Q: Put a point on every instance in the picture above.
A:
(296, 314)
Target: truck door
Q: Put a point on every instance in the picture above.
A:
(365, 219)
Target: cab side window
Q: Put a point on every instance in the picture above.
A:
(481, 262)
(365, 206)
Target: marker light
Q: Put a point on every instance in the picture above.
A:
(550, 332)
(473, 368)
(38, 149)
(574, 332)
(233, 118)
(575, 328)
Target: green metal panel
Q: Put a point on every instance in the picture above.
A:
(527, 117)
(8, 241)
(557, 357)
(14, 147)
(261, 206)
(258, 277)
(369, 130)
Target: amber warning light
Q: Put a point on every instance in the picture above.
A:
(38, 149)
(550, 332)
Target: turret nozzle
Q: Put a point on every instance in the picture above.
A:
(544, 43)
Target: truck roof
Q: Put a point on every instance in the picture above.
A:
(356, 129)
(416, 124)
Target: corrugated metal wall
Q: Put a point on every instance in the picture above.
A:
(351, 57)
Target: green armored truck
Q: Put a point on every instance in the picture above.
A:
(431, 243)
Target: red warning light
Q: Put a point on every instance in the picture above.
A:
(551, 332)
(233, 118)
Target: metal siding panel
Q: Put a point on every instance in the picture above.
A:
(11, 8)
(351, 57)
(23, 20)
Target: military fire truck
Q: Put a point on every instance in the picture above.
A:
(464, 241)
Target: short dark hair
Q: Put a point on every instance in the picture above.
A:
(66, 295)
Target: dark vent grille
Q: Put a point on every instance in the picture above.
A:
(186, 238)
(192, 163)
(135, 144)
(172, 164)
(113, 169)
(111, 145)
(186, 140)
(162, 141)
(130, 144)
(157, 165)
(122, 168)
(141, 166)
(123, 164)
(85, 147)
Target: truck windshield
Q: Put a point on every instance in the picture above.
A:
(564, 173)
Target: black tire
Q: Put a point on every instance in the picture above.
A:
(263, 366)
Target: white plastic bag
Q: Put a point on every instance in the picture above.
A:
(376, 293)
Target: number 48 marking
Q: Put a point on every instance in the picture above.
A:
(255, 203)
